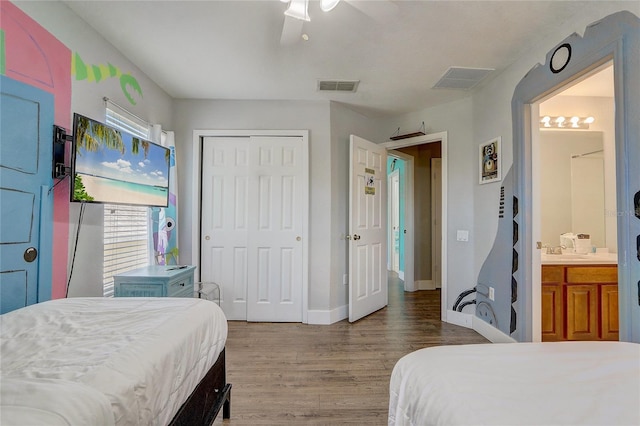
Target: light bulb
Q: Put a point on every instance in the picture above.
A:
(589, 120)
(574, 121)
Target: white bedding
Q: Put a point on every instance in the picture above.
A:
(585, 383)
(137, 359)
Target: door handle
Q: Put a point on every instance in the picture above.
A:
(30, 254)
(356, 237)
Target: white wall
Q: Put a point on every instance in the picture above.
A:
(455, 118)
(154, 106)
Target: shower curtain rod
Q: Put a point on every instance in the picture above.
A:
(587, 153)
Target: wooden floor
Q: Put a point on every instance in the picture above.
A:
(284, 373)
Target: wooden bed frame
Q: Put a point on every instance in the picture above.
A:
(212, 393)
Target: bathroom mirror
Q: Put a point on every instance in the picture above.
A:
(572, 185)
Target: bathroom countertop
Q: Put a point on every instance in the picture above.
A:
(580, 259)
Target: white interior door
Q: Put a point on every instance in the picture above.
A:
(436, 217)
(367, 228)
(253, 220)
(393, 185)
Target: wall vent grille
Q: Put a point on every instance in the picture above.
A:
(460, 78)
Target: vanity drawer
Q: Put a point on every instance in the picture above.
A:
(552, 274)
(592, 274)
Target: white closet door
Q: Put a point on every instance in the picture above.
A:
(275, 238)
(253, 189)
(225, 221)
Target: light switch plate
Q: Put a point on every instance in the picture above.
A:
(462, 235)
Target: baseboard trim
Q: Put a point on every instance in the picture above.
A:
(326, 317)
(490, 332)
(425, 284)
(458, 318)
(483, 328)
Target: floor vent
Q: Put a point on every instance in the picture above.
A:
(338, 85)
(462, 78)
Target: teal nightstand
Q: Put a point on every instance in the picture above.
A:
(155, 281)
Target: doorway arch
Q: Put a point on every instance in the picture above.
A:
(614, 38)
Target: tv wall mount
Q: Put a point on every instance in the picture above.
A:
(60, 138)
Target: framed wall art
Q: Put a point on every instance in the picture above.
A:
(490, 169)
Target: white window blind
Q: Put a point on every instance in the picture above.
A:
(126, 241)
(126, 228)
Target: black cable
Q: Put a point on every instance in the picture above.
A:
(470, 302)
(462, 296)
(75, 248)
(57, 183)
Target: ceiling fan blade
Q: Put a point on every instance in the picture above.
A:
(291, 30)
(379, 10)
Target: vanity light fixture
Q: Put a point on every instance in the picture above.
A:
(298, 9)
(327, 5)
(561, 122)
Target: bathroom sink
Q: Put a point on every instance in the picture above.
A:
(567, 256)
(564, 257)
(604, 258)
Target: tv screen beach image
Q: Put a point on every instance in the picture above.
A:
(116, 167)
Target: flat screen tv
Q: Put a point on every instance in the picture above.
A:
(112, 166)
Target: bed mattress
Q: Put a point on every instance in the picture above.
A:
(122, 361)
(518, 384)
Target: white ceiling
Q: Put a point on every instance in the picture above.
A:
(397, 49)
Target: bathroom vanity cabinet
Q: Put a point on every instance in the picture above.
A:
(579, 302)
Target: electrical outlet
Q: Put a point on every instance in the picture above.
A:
(462, 235)
(492, 294)
(345, 279)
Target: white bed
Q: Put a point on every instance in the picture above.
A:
(97, 361)
(518, 383)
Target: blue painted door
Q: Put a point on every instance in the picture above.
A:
(26, 132)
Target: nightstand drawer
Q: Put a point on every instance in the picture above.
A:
(178, 288)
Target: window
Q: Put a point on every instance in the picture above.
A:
(126, 228)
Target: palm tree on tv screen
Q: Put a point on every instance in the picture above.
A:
(91, 136)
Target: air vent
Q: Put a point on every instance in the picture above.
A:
(338, 85)
(462, 78)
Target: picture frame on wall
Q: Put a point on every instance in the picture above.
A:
(490, 154)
